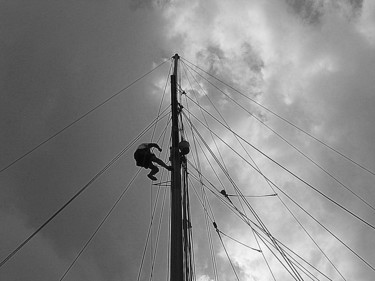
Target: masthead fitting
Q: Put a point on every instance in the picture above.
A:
(184, 147)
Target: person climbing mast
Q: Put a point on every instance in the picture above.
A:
(146, 159)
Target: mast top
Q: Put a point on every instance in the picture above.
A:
(176, 57)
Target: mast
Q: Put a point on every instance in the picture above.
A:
(176, 256)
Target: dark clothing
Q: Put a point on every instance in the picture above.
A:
(143, 157)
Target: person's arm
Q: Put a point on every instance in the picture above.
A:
(151, 145)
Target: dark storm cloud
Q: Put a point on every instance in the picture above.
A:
(309, 10)
(310, 74)
(59, 60)
(141, 4)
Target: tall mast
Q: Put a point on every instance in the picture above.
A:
(176, 256)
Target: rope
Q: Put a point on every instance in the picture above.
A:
(243, 244)
(80, 118)
(248, 205)
(284, 168)
(100, 225)
(161, 183)
(152, 137)
(282, 118)
(206, 95)
(76, 195)
(148, 235)
(286, 141)
(243, 217)
(226, 252)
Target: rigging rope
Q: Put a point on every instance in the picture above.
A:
(81, 117)
(247, 203)
(324, 227)
(101, 224)
(282, 118)
(185, 68)
(206, 95)
(153, 253)
(158, 234)
(226, 252)
(246, 219)
(209, 236)
(268, 234)
(243, 244)
(304, 229)
(281, 166)
(153, 210)
(78, 193)
(152, 137)
(302, 208)
(286, 141)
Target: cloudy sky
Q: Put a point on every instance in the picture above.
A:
(310, 61)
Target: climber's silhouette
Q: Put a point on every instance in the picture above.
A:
(145, 158)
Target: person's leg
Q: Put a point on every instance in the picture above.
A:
(160, 162)
(153, 172)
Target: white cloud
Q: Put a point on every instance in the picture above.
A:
(315, 68)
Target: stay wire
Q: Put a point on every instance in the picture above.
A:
(266, 260)
(204, 195)
(207, 215)
(243, 214)
(163, 134)
(80, 118)
(204, 204)
(227, 254)
(336, 269)
(263, 255)
(152, 137)
(245, 218)
(251, 209)
(205, 120)
(225, 203)
(161, 101)
(198, 161)
(325, 228)
(225, 168)
(305, 211)
(148, 235)
(205, 93)
(101, 224)
(292, 145)
(302, 208)
(290, 255)
(209, 236)
(304, 229)
(285, 267)
(239, 242)
(284, 168)
(20, 246)
(188, 240)
(284, 119)
(158, 233)
(243, 197)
